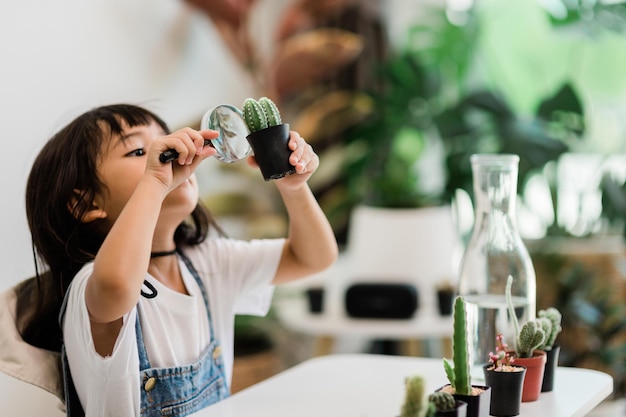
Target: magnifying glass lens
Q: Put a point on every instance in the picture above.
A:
(227, 120)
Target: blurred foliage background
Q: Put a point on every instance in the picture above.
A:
(395, 108)
(396, 95)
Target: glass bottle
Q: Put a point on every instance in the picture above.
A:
(495, 251)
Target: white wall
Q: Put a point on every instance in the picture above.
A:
(62, 57)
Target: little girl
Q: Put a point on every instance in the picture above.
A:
(146, 297)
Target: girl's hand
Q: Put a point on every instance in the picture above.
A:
(303, 158)
(189, 144)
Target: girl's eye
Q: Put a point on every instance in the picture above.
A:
(136, 152)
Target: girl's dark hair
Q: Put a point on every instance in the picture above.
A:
(61, 188)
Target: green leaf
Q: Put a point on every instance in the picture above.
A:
(565, 100)
(408, 145)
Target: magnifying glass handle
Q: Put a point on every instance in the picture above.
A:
(171, 154)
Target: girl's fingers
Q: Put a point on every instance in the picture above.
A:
(252, 161)
(308, 161)
(192, 144)
(205, 136)
(302, 152)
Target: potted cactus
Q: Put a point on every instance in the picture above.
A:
(552, 351)
(506, 380)
(268, 138)
(527, 353)
(438, 404)
(477, 397)
(443, 404)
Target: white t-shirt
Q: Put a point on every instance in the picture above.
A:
(237, 276)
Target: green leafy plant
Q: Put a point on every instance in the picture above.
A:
(260, 114)
(483, 121)
(430, 111)
(458, 373)
(531, 335)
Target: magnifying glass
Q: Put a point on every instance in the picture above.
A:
(231, 144)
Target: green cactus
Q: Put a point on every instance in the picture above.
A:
(254, 115)
(271, 111)
(458, 374)
(531, 335)
(442, 400)
(261, 114)
(546, 326)
(413, 397)
(554, 316)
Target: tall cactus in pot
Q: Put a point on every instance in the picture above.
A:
(459, 373)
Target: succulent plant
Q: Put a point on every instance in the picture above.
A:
(413, 397)
(554, 316)
(442, 401)
(459, 373)
(501, 358)
(260, 114)
(414, 403)
(531, 335)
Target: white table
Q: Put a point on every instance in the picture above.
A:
(366, 385)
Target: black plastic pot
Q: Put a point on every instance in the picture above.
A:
(459, 410)
(477, 405)
(506, 390)
(552, 361)
(315, 297)
(445, 300)
(271, 150)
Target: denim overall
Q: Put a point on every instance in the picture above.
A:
(177, 391)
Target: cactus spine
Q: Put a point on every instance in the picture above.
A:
(555, 317)
(531, 335)
(261, 114)
(458, 374)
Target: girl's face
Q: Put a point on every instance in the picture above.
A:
(122, 164)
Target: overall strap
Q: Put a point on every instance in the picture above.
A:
(144, 362)
(195, 274)
(73, 406)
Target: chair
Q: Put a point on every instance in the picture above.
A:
(20, 399)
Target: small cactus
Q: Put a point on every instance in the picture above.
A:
(531, 335)
(442, 400)
(554, 316)
(271, 111)
(546, 326)
(260, 114)
(458, 373)
(413, 397)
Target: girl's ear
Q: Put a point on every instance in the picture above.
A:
(94, 212)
